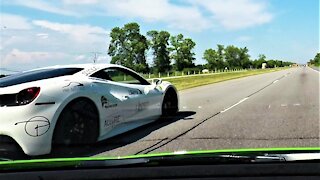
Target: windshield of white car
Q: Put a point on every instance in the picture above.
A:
(36, 75)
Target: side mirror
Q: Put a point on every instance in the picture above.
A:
(156, 81)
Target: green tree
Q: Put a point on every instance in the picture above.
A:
(287, 63)
(278, 63)
(211, 56)
(159, 42)
(181, 51)
(271, 63)
(232, 56)
(221, 57)
(316, 59)
(261, 59)
(245, 61)
(128, 47)
(214, 59)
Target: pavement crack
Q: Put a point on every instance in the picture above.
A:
(154, 147)
(151, 146)
(278, 79)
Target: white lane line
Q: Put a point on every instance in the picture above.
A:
(269, 106)
(284, 105)
(275, 81)
(199, 107)
(241, 101)
(296, 104)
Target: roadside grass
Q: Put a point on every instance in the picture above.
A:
(194, 81)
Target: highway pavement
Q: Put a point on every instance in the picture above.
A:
(279, 109)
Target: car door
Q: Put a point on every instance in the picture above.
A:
(123, 97)
(141, 100)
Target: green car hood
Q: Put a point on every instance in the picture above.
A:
(74, 162)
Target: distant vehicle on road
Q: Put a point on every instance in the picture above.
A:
(78, 104)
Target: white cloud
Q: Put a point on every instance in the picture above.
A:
(80, 58)
(182, 17)
(79, 33)
(45, 6)
(43, 42)
(244, 38)
(190, 15)
(104, 59)
(13, 22)
(80, 1)
(163, 11)
(237, 14)
(43, 35)
(89, 58)
(17, 56)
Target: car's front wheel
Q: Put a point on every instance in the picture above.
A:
(78, 124)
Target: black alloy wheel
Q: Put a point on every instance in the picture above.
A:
(78, 124)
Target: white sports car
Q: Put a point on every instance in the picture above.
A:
(78, 104)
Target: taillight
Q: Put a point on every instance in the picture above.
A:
(26, 96)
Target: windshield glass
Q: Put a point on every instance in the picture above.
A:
(160, 76)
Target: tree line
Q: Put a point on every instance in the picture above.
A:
(315, 60)
(232, 57)
(129, 47)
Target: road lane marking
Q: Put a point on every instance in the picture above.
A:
(199, 107)
(296, 104)
(269, 106)
(241, 101)
(283, 105)
(275, 81)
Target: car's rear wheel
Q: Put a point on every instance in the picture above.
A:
(170, 103)
(78, 124)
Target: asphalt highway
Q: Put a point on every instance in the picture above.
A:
(279, 109)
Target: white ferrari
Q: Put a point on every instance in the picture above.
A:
(78, 104)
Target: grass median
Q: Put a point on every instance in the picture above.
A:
(182, 83)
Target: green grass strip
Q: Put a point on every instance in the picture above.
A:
(182, 83)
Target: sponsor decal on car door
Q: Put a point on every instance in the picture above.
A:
(147, 103)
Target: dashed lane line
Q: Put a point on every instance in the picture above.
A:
(236, 104)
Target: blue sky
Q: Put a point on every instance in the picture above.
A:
(37, 33)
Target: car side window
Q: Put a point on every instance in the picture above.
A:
(120, 75)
